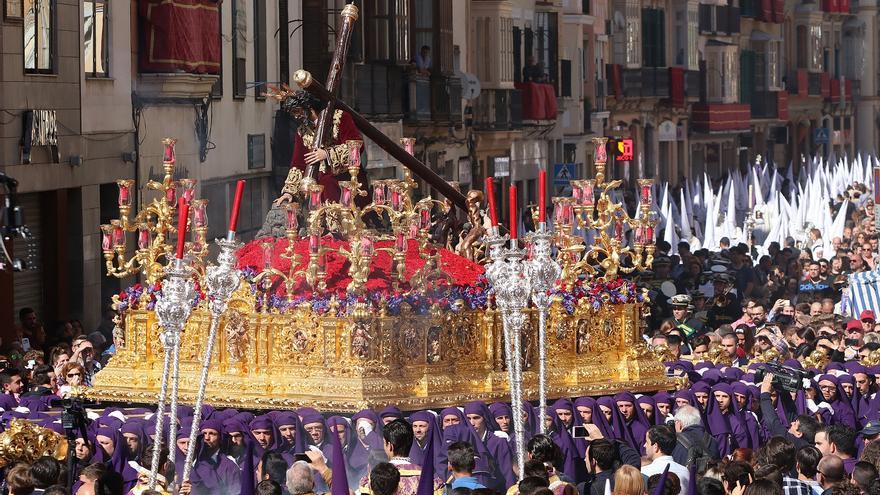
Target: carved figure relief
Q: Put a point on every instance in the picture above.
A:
(360, 340)
(236, 331)
(434, 344)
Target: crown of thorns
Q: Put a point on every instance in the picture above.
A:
(293, 99)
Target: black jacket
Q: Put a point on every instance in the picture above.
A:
(696, 434)
(597, 485)
(771, 421)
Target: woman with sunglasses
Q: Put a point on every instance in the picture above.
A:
(72, 373)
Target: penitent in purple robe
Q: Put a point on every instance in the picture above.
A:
(637, 426)
(418, 452)
(726, 427)
(496, 442)
(840, 404)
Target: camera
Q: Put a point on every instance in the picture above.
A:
(579, 431)
(785, 378)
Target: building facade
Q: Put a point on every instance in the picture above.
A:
(87, 94)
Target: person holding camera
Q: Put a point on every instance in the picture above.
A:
(84, 354)
(802, 429)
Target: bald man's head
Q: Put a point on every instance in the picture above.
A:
(830, 470)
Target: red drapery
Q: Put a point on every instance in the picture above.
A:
(538, 101)
(180, 35)
(676, 86)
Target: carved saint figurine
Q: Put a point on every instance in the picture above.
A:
(360, 340)
(469, 244)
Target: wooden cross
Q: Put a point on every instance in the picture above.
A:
(343, 40)
(327, 92)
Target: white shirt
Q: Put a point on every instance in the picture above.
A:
(659, 464)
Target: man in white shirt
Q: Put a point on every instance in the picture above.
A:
(659, 444)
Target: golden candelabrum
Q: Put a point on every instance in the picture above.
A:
(591, 208)
(154, 225)
(392, 206)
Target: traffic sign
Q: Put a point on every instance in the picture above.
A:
(820, 135)
(563, 173)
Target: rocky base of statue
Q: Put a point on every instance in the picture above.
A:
(274, 224)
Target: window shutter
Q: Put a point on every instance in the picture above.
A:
(747, 76)
(660, 30)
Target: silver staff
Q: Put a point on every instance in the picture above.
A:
(173, 307)
(222, 280)
(511, 288)
(543, 273)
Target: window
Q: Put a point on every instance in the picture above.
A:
(39, 42)
(565, 69)
(654, 38)
(633, 34)
(816, 49)
(722, 72)
(547, 36)
(774, 48)
(517, 54)
(386, 31)
(626, 28)
(239, 48)
(379, 30)
(802, 48)
(686, 32)
(401, 31)
(96, 53)
(259, 48)
(506, 49)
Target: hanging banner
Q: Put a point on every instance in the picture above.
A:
(40, 129)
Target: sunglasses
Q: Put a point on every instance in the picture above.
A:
(71, 375)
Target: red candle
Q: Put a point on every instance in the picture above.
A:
(512, 213)
(182, 217)
(124, 198)
(490, 198)
(542, 196)
(107, 239)
(236, 205)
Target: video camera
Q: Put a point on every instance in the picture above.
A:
(12, 226)
(785, 378)
(74, 416)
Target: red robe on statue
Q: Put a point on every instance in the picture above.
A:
(335, 168)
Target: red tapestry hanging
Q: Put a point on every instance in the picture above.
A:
(180, 36)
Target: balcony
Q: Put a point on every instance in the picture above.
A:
(720, 117)
(835, 6)
(692, 84)
(538, 101)
(814, 84)
(498, 110)
(176, 85)
(418, 106)
(446, 99)
(434, 99)
(770, 105)
(718, 19)
(834, 93)
(764, 10)
(647, 82)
